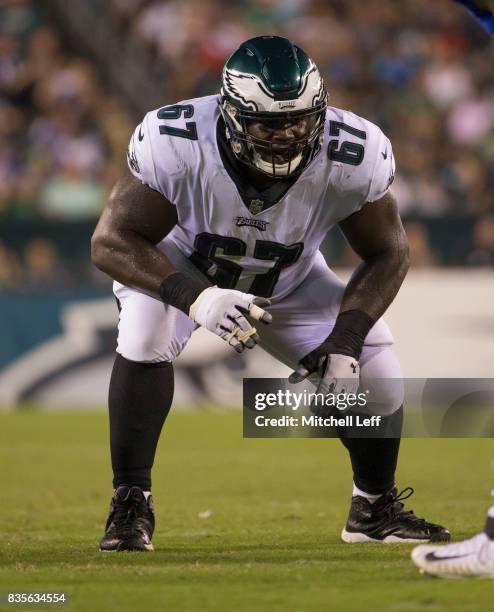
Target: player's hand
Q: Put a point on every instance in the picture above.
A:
(336, 373)
(224, 312)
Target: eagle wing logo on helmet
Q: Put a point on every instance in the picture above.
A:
(316, 86)
(245, 87)
(305, 78)
(250, 90)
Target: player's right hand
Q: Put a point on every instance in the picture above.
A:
(223, 312)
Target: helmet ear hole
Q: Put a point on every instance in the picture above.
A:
(230, 109)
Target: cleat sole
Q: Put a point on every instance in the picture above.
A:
(134, 547)
(358, 538)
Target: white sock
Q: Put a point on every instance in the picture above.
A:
(356, 491)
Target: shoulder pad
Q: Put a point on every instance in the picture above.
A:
(165, 145)
(151, 156)
(360, 154)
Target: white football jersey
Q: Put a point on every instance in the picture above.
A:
(238, 244)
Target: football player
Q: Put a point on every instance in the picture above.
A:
(219, 219)
(469, 558)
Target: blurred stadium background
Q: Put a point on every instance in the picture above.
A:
(75, 77)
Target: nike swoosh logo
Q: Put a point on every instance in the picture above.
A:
(433, 557)
(385, 155)
(141, 135)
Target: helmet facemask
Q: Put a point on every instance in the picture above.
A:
(277, 158)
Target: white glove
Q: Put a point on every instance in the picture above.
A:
(340, 374)
(222, 311)
(336, 374)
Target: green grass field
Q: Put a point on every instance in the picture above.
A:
(271, 541)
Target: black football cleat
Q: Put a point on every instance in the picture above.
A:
(130, 524)
(387, 522)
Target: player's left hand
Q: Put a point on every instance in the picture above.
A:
(336, 373)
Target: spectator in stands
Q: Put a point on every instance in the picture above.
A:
(10, 269)
(482, 253)
(42, 268)
(71, 195)
(421, 254)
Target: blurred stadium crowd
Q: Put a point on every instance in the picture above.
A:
(422, 70)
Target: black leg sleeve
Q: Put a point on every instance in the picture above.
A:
(140, 398)
(374, 459)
